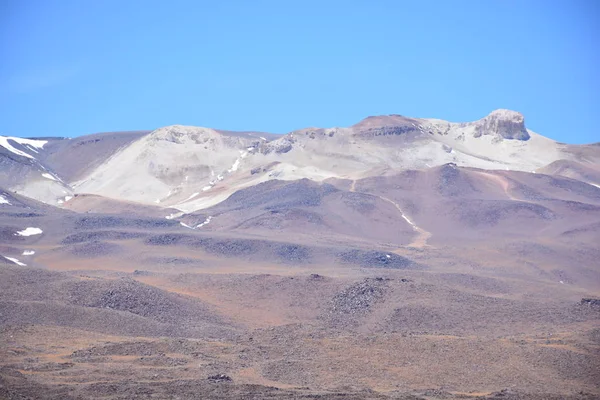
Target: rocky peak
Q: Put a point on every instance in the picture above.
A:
(502, 123)
(385, 125)
(183, 134)
(191, 135)
(380, 121)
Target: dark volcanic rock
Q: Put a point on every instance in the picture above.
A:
(95, 248)
(130, 296)
(376, 259)
(229, 247)
(169, 239)
(489, 213)
(220, 378)
(293, 253)
(590, 302)
(348, 307)
(172, 260)
(103, 222)
(101, 235)
(452, 181)
(280, 195)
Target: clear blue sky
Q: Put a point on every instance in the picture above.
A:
(73, 67)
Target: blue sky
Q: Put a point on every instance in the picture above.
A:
(74, 67)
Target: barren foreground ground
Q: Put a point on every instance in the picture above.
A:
(437, 284)
(193, 326)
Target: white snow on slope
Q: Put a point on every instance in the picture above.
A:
(4, 201)
(49, 176)
(28, 252)
(62, 201)
(15, 261)
(185, 225)
(191, 197)
(29, 232)
(33, 144)
(235, 166)
(408, 220)
(174, 215)
(38, 144)
(206, 222)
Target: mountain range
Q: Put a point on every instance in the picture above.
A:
(396, 258)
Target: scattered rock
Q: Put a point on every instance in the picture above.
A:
(358, 298)
(376, 259)
(220, 378)
(590, 302)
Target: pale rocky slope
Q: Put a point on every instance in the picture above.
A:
(192, 168)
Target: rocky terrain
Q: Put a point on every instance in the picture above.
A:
(399, 258)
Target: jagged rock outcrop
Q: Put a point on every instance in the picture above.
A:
(505, 124)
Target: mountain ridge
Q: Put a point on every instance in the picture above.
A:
(195, 167)
(396, 250)
(275, 135)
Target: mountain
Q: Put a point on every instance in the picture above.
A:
(192, 168)
(398, 258)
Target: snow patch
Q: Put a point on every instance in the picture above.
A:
(408, 220)
(15, 261)
(32, 144)
(206, 222)
(185, 225)
(191, 197)
(49, 176)
(388, 256)
(234, 167)
(236, 164)
(174, 215)
(4, 201)
(38, 144)
(28, 252)
(29, 232)
(205, 188)
(62, 201)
